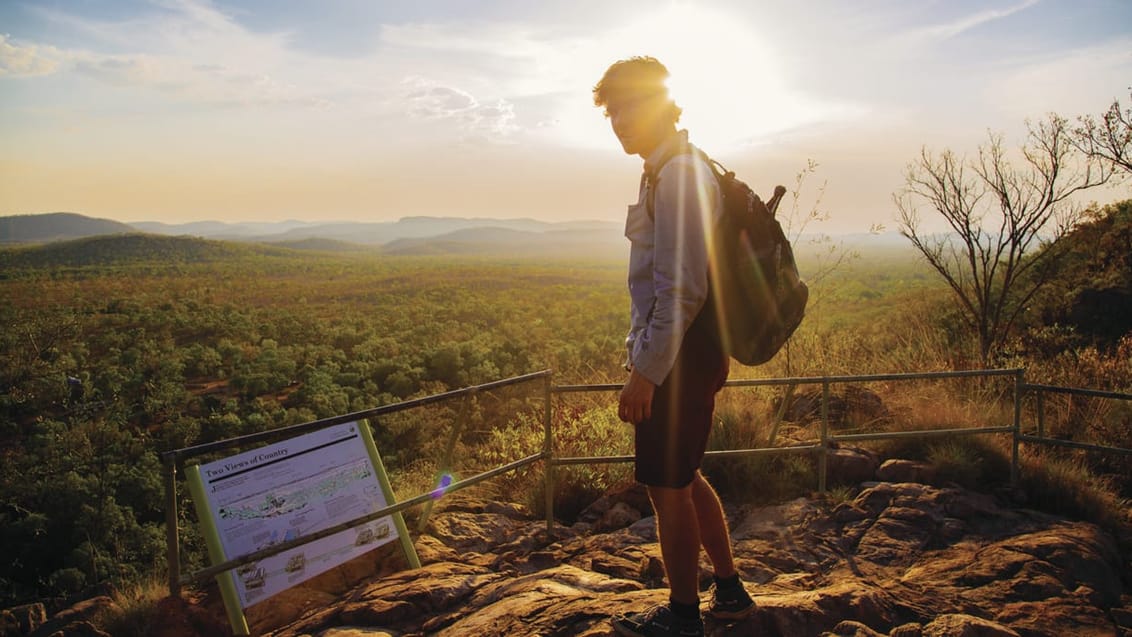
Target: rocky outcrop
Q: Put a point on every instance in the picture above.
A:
(79, 620)
(899, 559)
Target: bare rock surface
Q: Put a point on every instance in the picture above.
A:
(898, 560)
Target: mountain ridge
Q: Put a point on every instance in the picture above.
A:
(407, 235)
(47, 228)
(56, 226)
(135, 247)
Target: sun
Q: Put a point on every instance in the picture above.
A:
(735, 91)
(723, 74)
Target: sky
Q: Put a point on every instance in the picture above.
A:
(373, 110)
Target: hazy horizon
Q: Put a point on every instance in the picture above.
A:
(180, 111)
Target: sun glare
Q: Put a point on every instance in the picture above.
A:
(733, 90)
(724, 76)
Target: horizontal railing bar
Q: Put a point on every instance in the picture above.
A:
(765, 451)
(567, 389)
(217, 569)
(725, 453)
(1075, 445)
(188, 452)
(590, 460)
(1097, 393)
(924, 433)
(812, 380)
(923, 375)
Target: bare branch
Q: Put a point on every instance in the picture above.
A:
(999, 213)
(1108, 139)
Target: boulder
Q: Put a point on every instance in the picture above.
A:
(959, 625)
(21, 620)
(847, 465)
(896, 470)
(77, 619)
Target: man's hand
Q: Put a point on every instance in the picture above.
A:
(636, 399)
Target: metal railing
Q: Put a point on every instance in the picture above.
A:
(1041, 438)
(826, 438)
(174, 460)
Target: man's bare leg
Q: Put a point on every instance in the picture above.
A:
(679, 541)
(714, 534)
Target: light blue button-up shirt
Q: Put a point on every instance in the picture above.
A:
(668, 256)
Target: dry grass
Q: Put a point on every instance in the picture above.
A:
(135, 607)
(1061, 483)
(1057, 481)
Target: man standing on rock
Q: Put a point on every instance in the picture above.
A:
(675, 365)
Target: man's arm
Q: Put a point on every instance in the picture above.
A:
(683, 211)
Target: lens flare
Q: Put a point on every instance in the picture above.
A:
(445, 481)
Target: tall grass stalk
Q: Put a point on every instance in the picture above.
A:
(134, 611)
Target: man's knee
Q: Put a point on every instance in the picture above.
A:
(665, 498)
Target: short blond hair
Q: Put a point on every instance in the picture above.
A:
(638, 77)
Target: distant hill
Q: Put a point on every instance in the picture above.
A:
(506, 241)
(421, 235)
(63, 226)
(129, 248)
(384, 233)
(362, 232)
(316, 244)
(221, 229)
(56, 226)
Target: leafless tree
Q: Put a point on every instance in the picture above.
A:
(1108, 138)
(1004, 220)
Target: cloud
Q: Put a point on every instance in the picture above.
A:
(966, 23)
(188, 50)
(26, 60)
(426, 99)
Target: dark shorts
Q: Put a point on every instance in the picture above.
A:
(670, 445)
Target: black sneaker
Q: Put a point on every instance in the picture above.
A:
(658, 621)
(731, 602)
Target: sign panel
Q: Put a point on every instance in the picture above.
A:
(285, 490)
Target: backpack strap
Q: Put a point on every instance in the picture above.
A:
(652, 177)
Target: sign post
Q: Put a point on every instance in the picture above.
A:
(283, 491)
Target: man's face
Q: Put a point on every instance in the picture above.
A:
(640, 122)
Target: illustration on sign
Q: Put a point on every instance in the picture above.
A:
(290, 489)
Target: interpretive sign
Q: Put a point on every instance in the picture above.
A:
(292, 488)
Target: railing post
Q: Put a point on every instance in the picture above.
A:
(1019, 381)
(445, 467)
(823, 449)
(548, 453)
(1041, 413)
(172, 536)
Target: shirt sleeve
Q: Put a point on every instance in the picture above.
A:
(684, 208)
